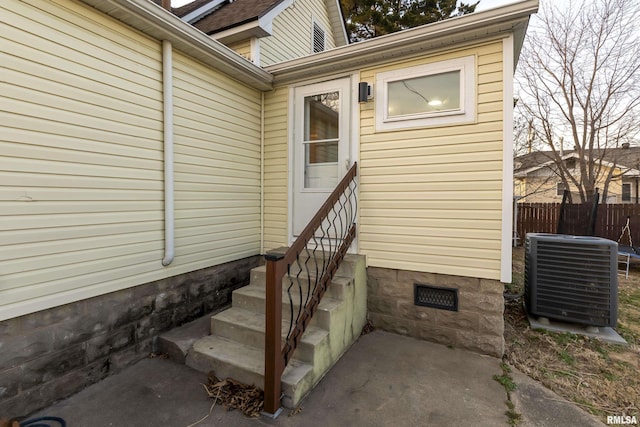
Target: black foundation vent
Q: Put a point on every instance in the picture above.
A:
(432, 296)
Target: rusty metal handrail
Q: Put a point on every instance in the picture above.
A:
(341, 202)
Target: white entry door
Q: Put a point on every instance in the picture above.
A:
(321, 145)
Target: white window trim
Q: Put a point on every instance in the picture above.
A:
(465, 114)
(508, 64)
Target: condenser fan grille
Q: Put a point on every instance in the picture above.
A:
(571, 278)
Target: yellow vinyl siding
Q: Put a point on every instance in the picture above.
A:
(431, 198)
(76, 125)
(242, 48)
(275, 168)
(292, 32)
(217, 165)
(81, 159)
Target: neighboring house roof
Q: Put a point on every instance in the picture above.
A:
(627, 158)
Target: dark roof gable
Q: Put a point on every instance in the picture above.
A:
(229, 14)
(189, 7)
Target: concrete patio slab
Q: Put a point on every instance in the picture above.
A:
(383, 380)
(541, 407)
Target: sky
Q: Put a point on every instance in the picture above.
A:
(484, 4)
(489, 4)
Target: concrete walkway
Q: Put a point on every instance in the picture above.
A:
(383, 380)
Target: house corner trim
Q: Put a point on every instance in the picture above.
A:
(507, 159)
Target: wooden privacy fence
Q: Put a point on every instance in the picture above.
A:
(543, 218)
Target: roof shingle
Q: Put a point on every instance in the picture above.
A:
(228, 15)
(627, 157)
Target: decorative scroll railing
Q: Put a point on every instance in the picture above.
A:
(306, 270)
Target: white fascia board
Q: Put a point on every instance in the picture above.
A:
(266, 20)
(202, 11)
(241, 32)
(510, 19)
(160, 24)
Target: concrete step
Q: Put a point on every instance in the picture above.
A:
(248, 328)
(177, 342)
(253, 297)
(346, 269)
(336, 289)
(230, 359)
(236, 347)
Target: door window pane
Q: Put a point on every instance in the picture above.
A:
(424, 94)
(321, 139)
(321, 152)
(322, 114)
(321, 165)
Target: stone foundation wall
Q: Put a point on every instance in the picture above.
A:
(478, 325)
(49, 355)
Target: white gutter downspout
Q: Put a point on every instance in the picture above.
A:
(262, 175)
(167, 101)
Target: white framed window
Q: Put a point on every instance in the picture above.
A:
(426, 95)
(318, 38)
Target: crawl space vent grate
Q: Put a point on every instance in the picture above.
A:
(431, 296)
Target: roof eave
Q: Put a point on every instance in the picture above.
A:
(513, 19)
(160, 24)
(338, 23)
(240, 31)
(256, 26)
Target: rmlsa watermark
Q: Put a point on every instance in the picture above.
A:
(622, 419)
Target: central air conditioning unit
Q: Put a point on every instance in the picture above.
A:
(572, 278)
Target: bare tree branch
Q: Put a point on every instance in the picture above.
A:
(579, 82)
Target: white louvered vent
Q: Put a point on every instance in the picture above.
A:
(572, 278)
(318, 38)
